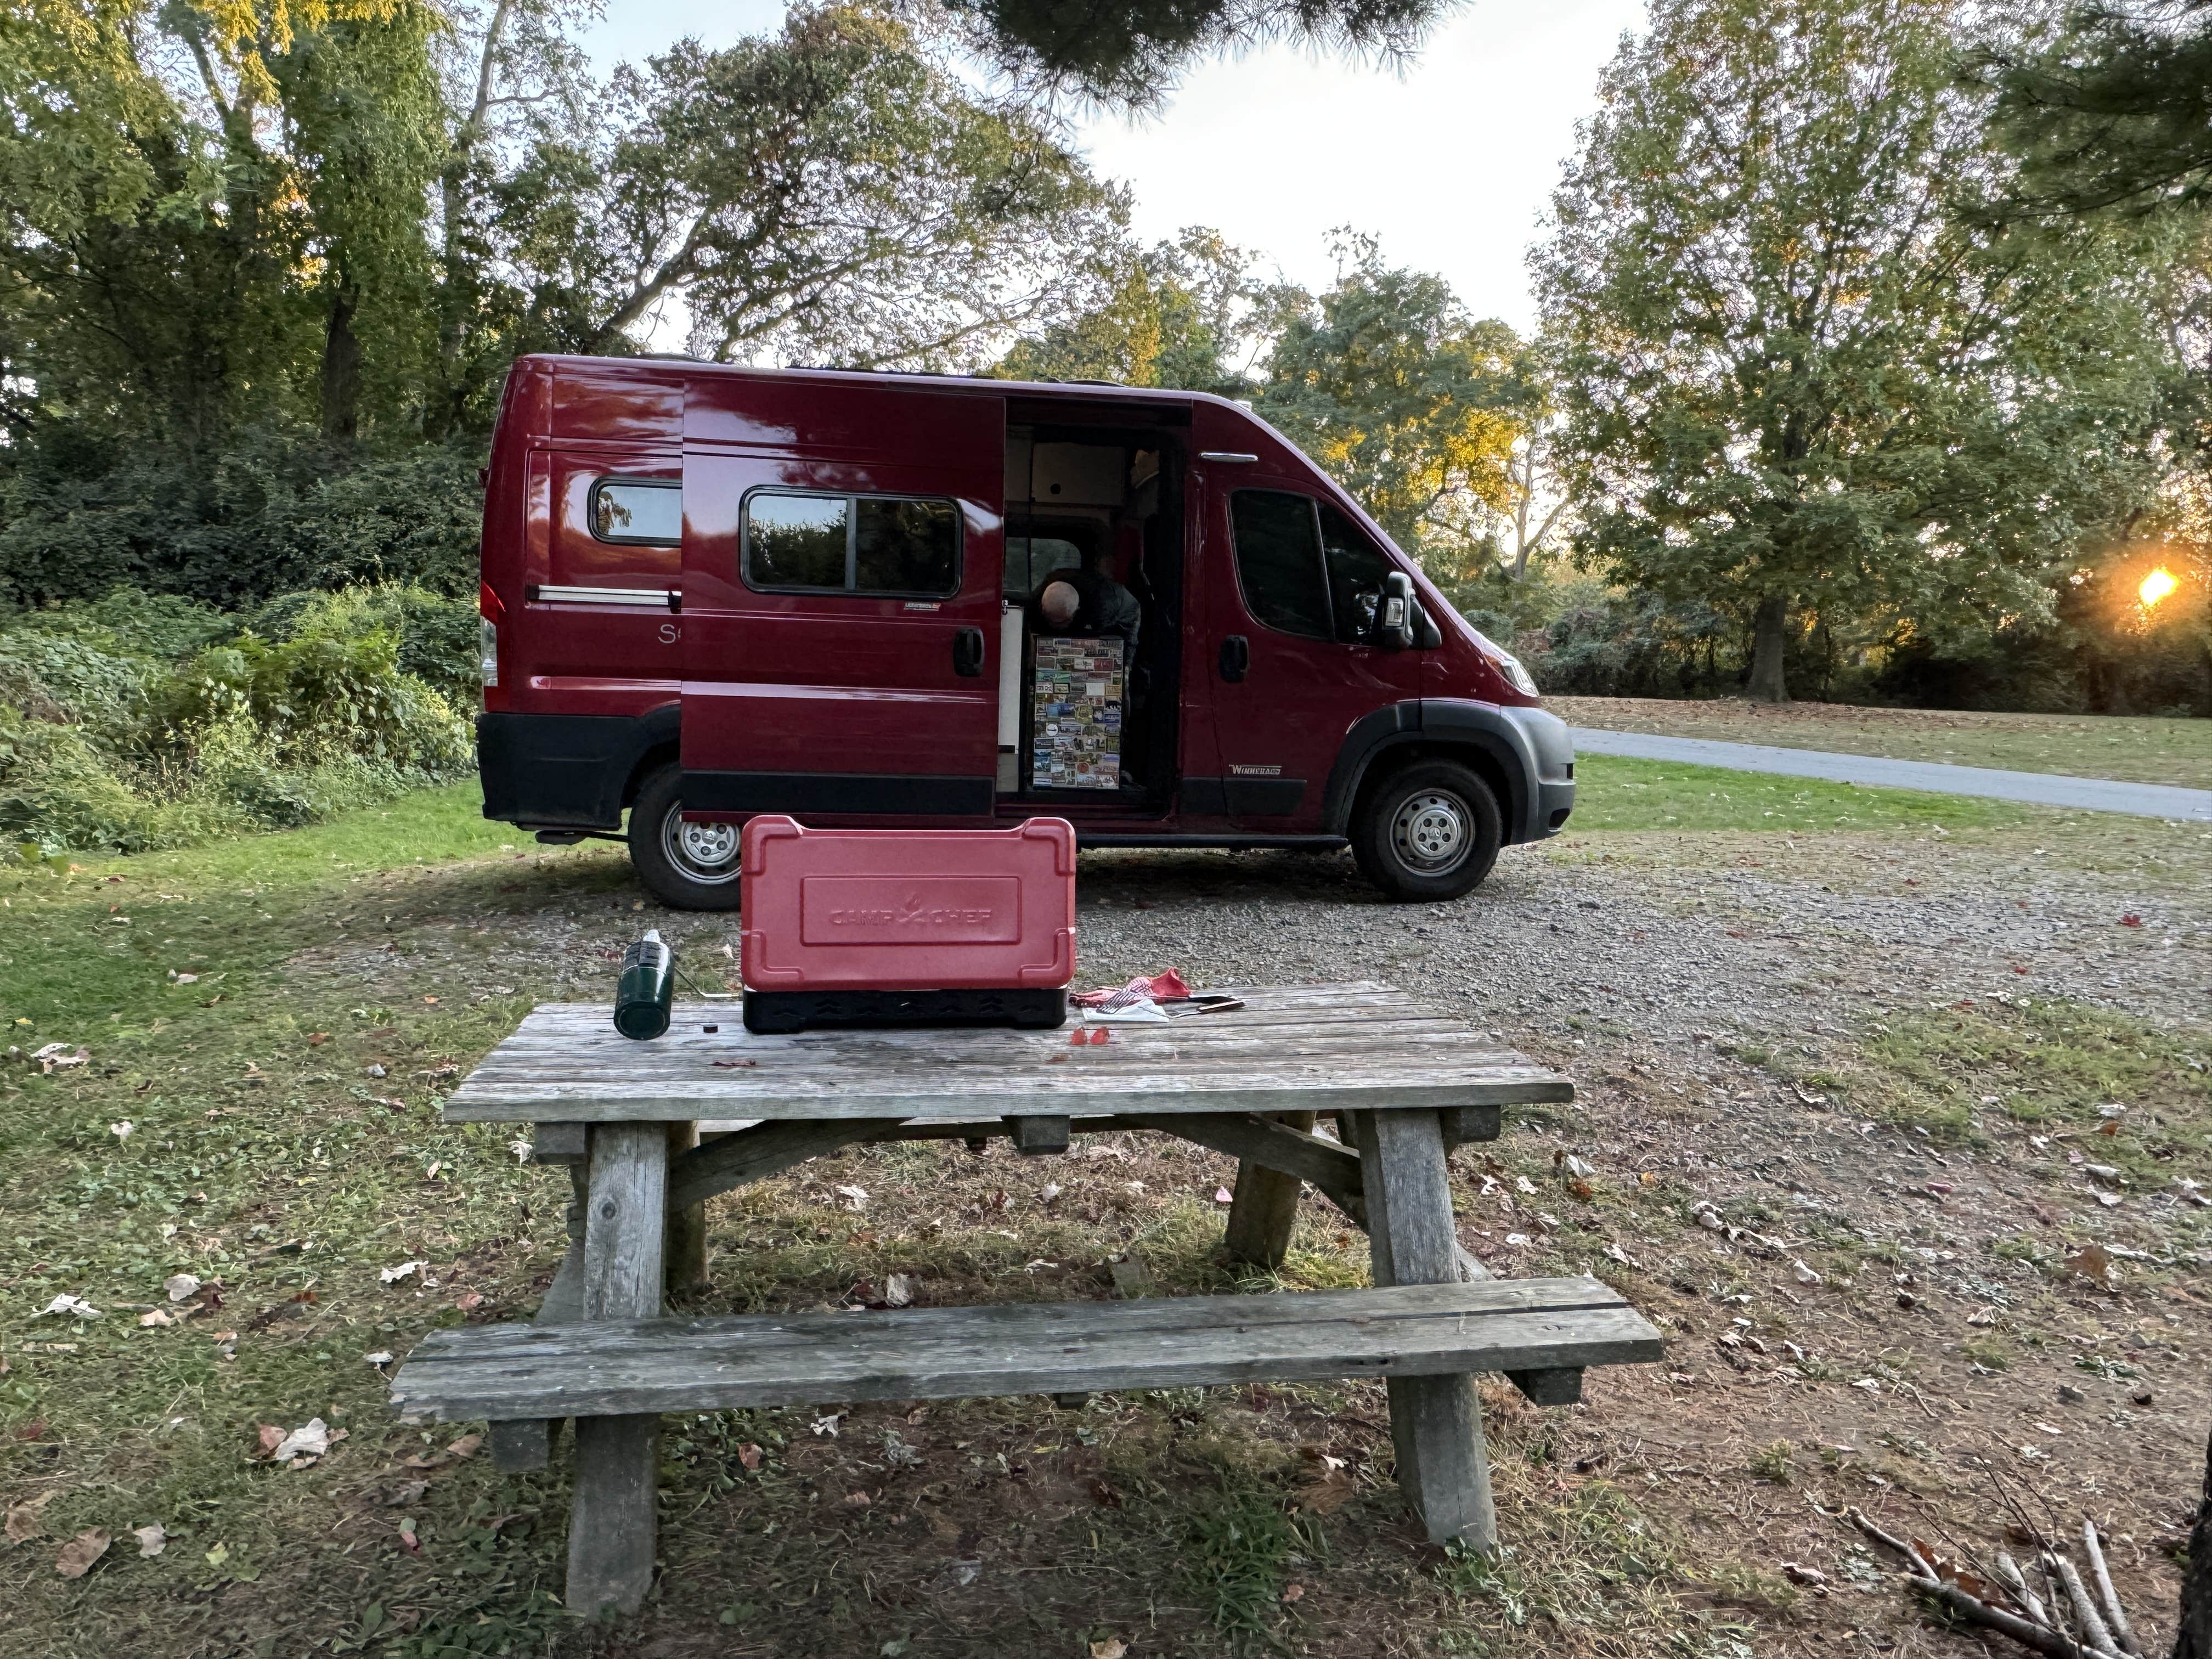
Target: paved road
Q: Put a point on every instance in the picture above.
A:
(2147, 801)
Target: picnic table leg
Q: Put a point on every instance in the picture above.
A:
(610, 1518)
(1436, 1422)
(686, 1253)
(1264, 1208)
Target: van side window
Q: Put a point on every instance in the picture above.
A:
(859, 545)
(1356, 569)
(638, 512)
(1278, 562)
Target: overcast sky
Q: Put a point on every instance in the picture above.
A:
(1448, 164)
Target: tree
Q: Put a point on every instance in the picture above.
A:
(250, 244)
(1129, 53)
(828, 190)
(2114, 114)
(1404, 399)
(1798, 380)
(1175, 314)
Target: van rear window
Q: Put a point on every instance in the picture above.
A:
(893, 546)
(639, 512)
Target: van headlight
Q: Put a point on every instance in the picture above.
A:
(1508, 665)
(1523, 680)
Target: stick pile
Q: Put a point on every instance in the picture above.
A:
(2097, 1628)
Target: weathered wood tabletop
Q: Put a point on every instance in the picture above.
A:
(1326, 1047)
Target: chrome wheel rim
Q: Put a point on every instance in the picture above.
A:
(1431, 832)
(704, 853)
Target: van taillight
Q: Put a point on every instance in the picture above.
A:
(490, 650)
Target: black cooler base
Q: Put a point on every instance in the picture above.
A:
(772, 1012)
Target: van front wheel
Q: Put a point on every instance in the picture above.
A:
(687, 866)
(1431, 831)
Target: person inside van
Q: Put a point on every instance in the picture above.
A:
(1087, 601)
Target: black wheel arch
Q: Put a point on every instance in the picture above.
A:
(657, 744)
(1477, 736)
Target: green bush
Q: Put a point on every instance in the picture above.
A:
(124, 727)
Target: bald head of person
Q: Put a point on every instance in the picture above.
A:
(1060, 602)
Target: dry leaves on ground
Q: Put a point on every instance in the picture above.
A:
(77, 1555)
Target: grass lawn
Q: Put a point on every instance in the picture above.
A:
(268, 1025)
(1618, 794)
(2146, 750)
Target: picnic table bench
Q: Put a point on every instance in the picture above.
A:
(1404, 1084)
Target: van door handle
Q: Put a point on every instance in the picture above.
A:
(968, 653)
(1235, 657)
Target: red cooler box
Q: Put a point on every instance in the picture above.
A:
(906, 926)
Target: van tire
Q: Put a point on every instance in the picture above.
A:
(686, 867)
(1430, 832)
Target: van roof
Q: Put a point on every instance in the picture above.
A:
(1090, 391)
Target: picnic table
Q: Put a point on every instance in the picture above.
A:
(1404, 1084)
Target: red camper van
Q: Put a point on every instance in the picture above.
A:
(711, 592)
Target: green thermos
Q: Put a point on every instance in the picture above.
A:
(646, 989)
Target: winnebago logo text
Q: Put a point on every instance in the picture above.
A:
(913, 914)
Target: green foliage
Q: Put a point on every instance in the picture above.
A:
(1799, 382)
(1132, 53)
(1407, 403)
(2111, 114)
(115, 745)
(1174, 315)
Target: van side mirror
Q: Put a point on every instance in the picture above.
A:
(1393, 617)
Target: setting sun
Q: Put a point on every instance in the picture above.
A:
(2156, 586)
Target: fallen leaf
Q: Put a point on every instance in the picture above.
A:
(1221, 1195)
(467, 1446)
(182, 1285)
(749, 1456)
(468, 1301)
(71, 1307)
(316, 1039)
(2131, 920)
(898, 1291)
(152, 1539)
(380, 1358)
(1325, 1496)
(218, 1555)
(857, 1500)
(406, 1492)
(156, 1317)
(1112, 1648)
(2092, 1263)
(1294, 1592)
(77, 1555)
(25, 1520)
(311, 1439)
(1803, 1274)
(1102, 1492)
(403, 1270)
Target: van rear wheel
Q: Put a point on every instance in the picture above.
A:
(1430, 832)
(687, 866)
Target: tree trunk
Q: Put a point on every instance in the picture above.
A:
(2192, 1637)
(1769, 641)
(341, 365)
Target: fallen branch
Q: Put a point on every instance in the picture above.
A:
(2115, 1615)
(2085, 1610)
(2009, 1569)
